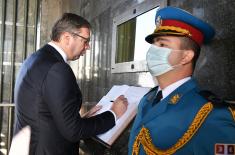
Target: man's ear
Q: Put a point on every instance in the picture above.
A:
(65, 37)
(187, 57)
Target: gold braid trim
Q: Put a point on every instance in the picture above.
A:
(144, 137)
(232, 110)
(173, 28)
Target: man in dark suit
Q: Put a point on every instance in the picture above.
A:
(48, 98)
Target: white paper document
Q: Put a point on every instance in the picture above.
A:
(133, 95)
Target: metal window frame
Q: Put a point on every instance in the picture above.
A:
(132, 66)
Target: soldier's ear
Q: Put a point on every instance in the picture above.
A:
(187, 57)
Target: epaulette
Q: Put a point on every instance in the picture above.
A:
(218, 102)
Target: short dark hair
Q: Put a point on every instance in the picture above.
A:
(188, 44)
(67, 23)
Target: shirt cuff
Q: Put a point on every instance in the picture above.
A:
(115, 117)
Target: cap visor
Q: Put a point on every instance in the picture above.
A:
(150, 37)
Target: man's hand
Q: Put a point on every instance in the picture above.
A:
(119, 106)
(92, 111)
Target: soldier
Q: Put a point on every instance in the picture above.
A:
(173, 118)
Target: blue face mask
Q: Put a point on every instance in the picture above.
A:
(157, 60)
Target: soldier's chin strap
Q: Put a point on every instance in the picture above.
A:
(217, 101)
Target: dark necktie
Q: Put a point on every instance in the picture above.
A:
(158, 98)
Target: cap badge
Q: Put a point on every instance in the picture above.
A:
(158, 22)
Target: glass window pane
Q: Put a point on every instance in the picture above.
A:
(6, 83)
(143, 23)
(30, 41)
(7, 51)
(0, 36)
(7, 44)
(19, 44)
(20, 12)
(0, 11)
(125, 41)
(9, 11)
(131, 44)
(31, 12)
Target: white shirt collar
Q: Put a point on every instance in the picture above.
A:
(62, 53)
(169, 89)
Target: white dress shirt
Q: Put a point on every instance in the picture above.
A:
(169, 89)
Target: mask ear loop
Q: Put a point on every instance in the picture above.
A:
(174, 66)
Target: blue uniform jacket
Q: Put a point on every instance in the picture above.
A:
(168, 121)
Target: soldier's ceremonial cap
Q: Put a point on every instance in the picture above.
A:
(175, 21)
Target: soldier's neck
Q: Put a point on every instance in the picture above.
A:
(167, 79)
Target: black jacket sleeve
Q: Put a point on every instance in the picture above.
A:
(63, 97)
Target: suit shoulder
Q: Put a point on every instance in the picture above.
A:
(60, 67)
(61, 70)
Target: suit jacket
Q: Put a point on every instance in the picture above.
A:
(183, 123)
(48, 99)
